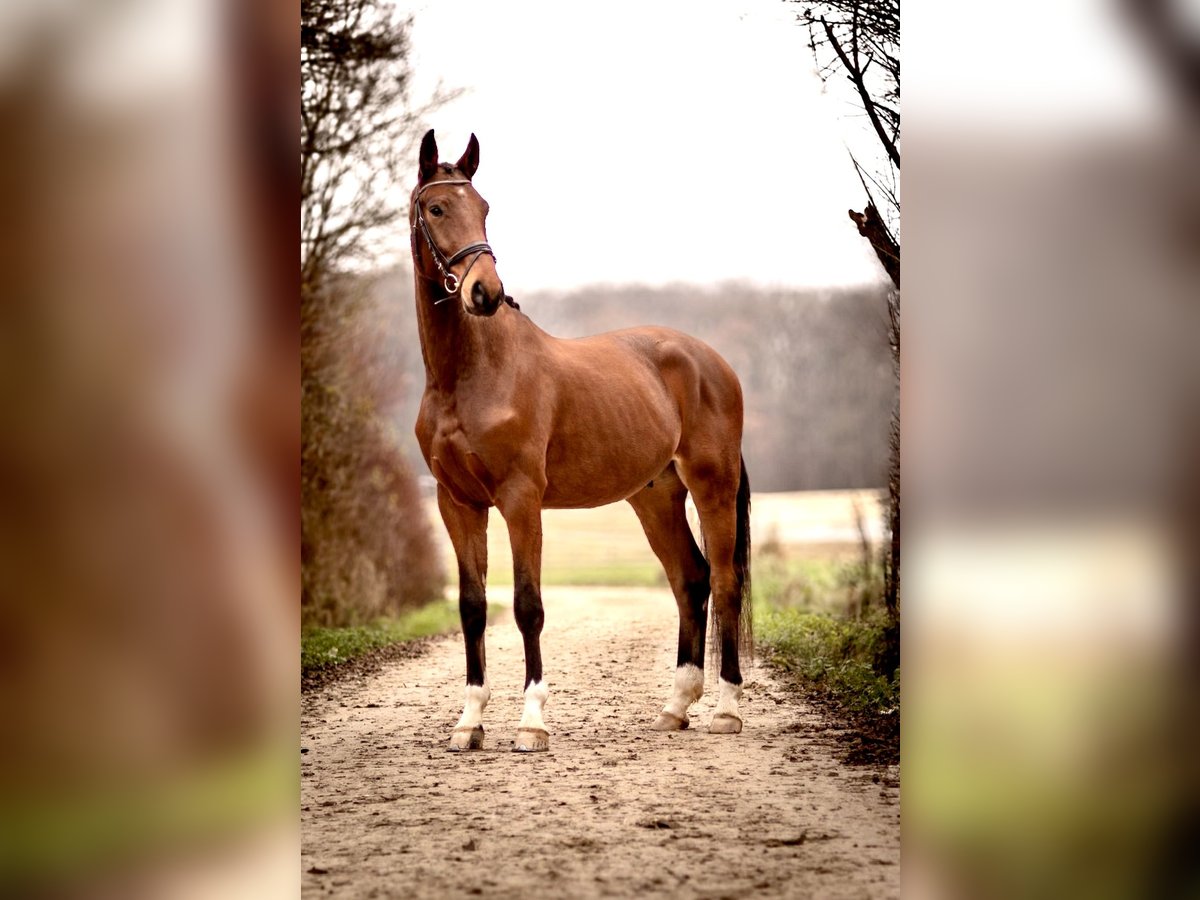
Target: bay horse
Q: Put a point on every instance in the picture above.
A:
(515, 418)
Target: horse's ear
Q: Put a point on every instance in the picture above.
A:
(429, 157)
(469, 162)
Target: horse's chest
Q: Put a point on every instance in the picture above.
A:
(462, 451)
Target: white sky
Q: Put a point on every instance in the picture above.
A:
(648, 141)
(1083, 65)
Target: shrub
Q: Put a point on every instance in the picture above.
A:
(837, 656)
(367, 549)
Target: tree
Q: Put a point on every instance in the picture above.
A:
(357, 129)
(859, 40)
(366, 545)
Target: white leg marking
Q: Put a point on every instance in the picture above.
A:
(477, 699)
(689, 687)
(727, 700)
(535, 698)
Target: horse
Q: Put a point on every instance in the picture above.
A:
(517, 419)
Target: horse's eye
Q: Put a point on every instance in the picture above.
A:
(435, 210)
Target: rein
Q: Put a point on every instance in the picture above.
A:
(450, 281)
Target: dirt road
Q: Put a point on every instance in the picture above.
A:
(614, 809)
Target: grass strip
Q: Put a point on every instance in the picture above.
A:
(835, 656)
(323, 648)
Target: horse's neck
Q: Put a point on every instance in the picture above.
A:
(454, 344)
(444, 335)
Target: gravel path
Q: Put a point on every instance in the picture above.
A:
(614, 809)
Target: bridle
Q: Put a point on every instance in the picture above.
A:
(450, 281)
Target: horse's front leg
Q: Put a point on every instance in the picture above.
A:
(467, 526)
(521, 506)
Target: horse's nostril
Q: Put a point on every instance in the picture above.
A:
(478, 294)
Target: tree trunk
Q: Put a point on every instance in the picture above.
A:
(872, 227)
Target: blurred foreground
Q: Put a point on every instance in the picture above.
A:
(1049, 387)
(148, 490)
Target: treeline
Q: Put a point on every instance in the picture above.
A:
(814, 364)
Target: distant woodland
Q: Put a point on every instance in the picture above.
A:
(815, 366)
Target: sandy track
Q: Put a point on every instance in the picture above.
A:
(614, 809)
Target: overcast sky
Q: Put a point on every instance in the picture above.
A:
(649, 141)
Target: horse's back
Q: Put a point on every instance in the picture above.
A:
(651, 387)
(696, 376)
(666, 350)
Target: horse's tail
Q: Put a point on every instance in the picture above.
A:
(741, 568)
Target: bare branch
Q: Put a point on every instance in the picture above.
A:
(855, 76)
(357, 126)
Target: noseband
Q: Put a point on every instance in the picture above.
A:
(450, 281)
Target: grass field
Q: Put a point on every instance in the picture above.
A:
(606, 546)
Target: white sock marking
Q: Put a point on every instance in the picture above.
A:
(727, 699)
(689, 687)
(477, 696)
(535, 698)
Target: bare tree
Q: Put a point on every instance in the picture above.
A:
(366, 545)
(859, 41)
(357, 129)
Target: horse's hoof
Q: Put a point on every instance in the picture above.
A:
(669, 722)
(724, 723)
(531, 740)
(466, 739)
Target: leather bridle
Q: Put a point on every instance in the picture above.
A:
(450, 281)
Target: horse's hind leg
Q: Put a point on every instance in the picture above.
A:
(467, 527)
(660, 509)
(721, 493)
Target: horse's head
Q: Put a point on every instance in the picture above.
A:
(448, 218)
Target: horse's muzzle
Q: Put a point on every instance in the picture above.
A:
(482, 302)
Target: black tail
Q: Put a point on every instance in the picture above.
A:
(741, 570)
(741, 567)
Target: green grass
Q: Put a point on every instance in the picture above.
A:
(322, 648)
(805, 583)
(822, 621)
(834, 655)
